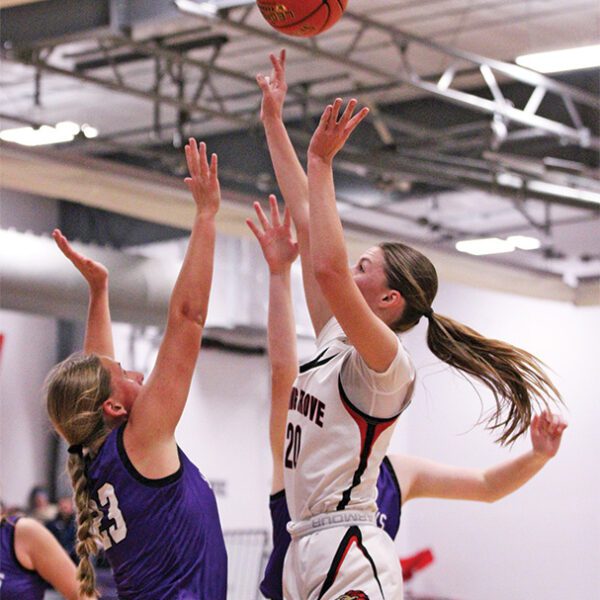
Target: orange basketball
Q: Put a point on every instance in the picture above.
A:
(302, 18)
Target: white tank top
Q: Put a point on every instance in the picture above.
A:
(334, 444)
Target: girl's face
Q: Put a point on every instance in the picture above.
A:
(369, 275)
(125, 385)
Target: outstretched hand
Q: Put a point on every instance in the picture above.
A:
(273, 87)
(331, 134)
(275, 238)
(95, 273)
(203, 181)
(546, 433)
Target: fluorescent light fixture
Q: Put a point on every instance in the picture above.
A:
(494, 245)
(555, 61)
(62, 132)
(209, 8)
(524, 242)
(484, 246)
(544, 187)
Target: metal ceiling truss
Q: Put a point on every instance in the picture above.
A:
(194, 92)
(573, 131)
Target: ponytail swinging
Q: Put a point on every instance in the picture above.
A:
(514, 376)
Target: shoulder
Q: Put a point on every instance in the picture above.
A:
(331, 331)
(26, 527)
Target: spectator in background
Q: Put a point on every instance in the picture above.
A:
(64, 526)
(39, 506)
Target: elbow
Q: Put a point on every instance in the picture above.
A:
(186, 313)
(327, 273)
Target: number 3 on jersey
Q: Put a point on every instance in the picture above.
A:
(116, 530)
(293, 435)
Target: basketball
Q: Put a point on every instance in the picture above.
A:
(302, 18)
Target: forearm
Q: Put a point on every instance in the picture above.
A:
(327, 244)
(281, 326)
(291, 178)
(98, 332)
(192, 289)
(509, 476)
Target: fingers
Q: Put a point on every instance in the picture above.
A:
(326, 116)
(214, 165)
(254, 229)
(356, 119)
(261, 216)
(203, 160)
(349, 110)
(275, 220)
(549, 423)
(278, 64)
(337, 104)
(192, 157)
(262, 82)
(63, 244)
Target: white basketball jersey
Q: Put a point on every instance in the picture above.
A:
(333, 449)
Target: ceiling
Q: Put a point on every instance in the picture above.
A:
(459, 143)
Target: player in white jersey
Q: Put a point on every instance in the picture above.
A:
(334, 449)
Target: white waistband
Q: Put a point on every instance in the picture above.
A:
(341, 518)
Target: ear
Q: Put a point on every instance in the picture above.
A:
(392, 299)
(113, 409)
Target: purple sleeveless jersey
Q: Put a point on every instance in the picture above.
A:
(389, 503)
(162, 537)
(16, 582)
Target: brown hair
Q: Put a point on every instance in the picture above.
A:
(75, 391)
(514, 376)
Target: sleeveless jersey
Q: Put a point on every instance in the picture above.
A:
(389, 506)
(333, 449)
(162, 537)
(16, 582)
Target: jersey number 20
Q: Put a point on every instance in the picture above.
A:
(294, 437)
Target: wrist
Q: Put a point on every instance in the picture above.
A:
(272, 118)
(205, 215)
(316, 160)
(282, 271)
(539, 456)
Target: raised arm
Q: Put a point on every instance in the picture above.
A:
(38, 550)
(280, 251)
(98, 331)
(161, 401)
(292, 181)
(372, 338)
(421, 478)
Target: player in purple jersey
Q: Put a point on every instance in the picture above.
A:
(32, 561)
(401, 477)
(135, 490)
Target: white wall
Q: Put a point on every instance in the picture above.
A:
(543, 542)
(28, 353)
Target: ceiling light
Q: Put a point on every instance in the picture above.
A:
(524, 242)
(62, 132)
(562, 60)
(484, 246)
(494, 245)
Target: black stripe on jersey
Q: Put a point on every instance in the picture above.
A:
(365, 451)
(136, 474)
(353, 534)
(316, 362)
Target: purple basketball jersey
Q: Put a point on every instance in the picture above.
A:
(16, 582)
(389, 500)
(162, 537)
